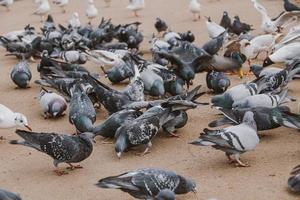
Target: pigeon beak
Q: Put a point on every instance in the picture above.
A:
(119, 154)
(28, 127)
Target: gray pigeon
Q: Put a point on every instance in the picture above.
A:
(166, 194)
(147, 183)
(218, 82)
(21, 74)
(233, 140)
(72, 56)
(294, 180)
(260, 71)
(109, 127)
(62, 148)
(289, 7)
(82, 112)
(214, 45)
(6, 195)
(177, 119)
(52, 104)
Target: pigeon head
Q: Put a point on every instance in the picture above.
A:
(249, 119)
(267, 62)
(225, 13)
(224, 101)
(165, 194)
(83, 124)
(21, 120)
(187, 73)
(237, 18)
(121, 143)
(82, 58)
(256, 69)
(21, 80)
(185, 185)
(57, 107)
(224, 84)
(157, 88)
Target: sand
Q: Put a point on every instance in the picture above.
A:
(30, 173)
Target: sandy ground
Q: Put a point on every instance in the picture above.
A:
(29, 172)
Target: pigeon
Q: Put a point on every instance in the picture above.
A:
(187, 36)
(6, 195)
(261, 100)
(147, 183)
(62, 148)
(6, 3)
(135, 6)
(10, 119)
(233, 140)
(91, 11)
(266, 118)
(234, 94)
(226, 21)
(289, 7)
(43, 9)
(62, 4)
(214, 29)
(21, 74)
(177, 119)
(260, 71)
(165, 194)
(108, 128)
(218, 82)
(52, 104)
(283, 55)
(239, 27)
(160, 25)
(142, 130)
(74, 21)
(294, 180)
(195, 9)
(73, 56)
(214, 45)
(82, 112)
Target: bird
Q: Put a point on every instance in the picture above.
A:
(218, 82)
(283, 54)
(62, 148)
(233, 140)
(81, 111)
(226, 21)
(260, 71)
(265, 118)
(43, 9)
(135, 6)
(91, 11)
(21, 74)
(214, 45)
(147, 183)
(62, 3)
(74, 21)
(289, 7)
(214, 29)
(7, 195)
(108, 128)
(52, 104)
(239, 27)
(195, 9)
(165, 194)
(6, 3)
(294, 180)
(72, 56)
(10, 119)
(160, 25)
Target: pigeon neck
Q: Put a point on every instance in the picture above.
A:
(121, 143)
(83, 124)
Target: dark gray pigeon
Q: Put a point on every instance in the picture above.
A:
(82, 112)
(62, 148)
(265, 118)
(294, 180)
(289, 7)
(160, 25)
(233, 140)
(239, 27)
(109, 127)
(226, 21)
(21, 74)
(147, 183)
(218, 82)
(6, 195)
(166, 194)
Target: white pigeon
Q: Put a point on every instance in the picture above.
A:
(6, 3)
(233, 140)
(135, 6)
(214, 29)
(43, 9)
(74, 21)
(62, 4)
(10, 119)
(262, 43)
(284, 54)
(195, 9)
(270, 26)
(91, 11)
